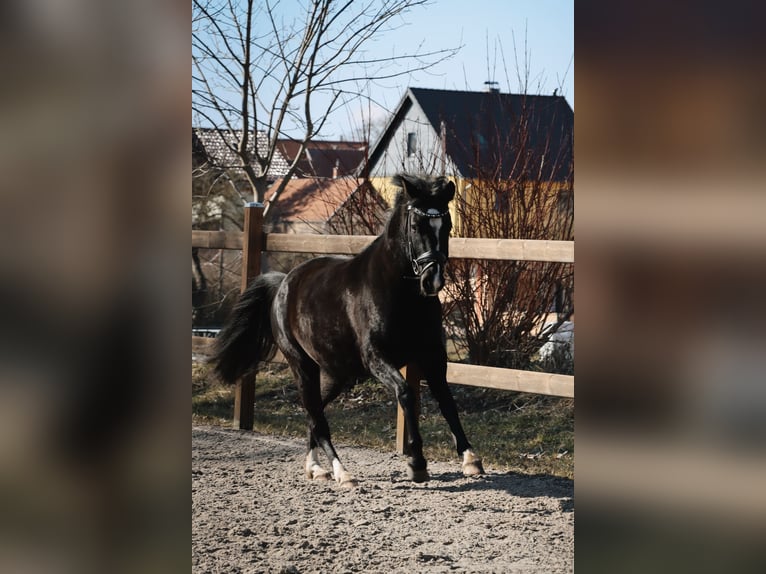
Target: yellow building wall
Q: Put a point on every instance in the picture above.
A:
(478, 198)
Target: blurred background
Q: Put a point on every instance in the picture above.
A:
(94, 212)
(671, 237)
(94, 218)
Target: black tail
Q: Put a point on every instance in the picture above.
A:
(246, 338)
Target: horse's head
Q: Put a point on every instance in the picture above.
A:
(426, 225)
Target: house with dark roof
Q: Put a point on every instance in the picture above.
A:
(324, 158)
(477, 137)
(467, 135)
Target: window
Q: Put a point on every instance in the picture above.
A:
(411, 144)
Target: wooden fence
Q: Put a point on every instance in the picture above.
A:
(253, 242)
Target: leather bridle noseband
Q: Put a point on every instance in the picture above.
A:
(429, 258)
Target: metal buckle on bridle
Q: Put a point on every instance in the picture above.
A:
(429, 258)
(420, 264)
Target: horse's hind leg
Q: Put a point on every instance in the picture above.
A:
(314, 470)
(306, 373)
(319, 432)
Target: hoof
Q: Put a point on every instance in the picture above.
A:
(417, 475)
(318, 475)
(472, 464)
(349, 483)
(316, 472)
(346, 481)
(474, 468)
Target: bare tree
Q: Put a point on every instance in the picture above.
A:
(363, 213)
(258, 72)
(216, 201)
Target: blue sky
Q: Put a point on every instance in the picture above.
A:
(483, 26)
(479, 25)
(486, 30)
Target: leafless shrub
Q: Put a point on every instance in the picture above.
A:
(522, 188)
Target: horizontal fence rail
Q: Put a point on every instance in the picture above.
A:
(511, 380)
(217, 239)
(473, 376)
(460, 248)
(511, 249)
(307, 243)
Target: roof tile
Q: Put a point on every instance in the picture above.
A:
(218, 150)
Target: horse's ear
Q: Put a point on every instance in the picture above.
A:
(409, 186)
(440, 188)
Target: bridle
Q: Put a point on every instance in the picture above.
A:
(429, 258)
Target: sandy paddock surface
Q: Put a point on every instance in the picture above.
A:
(253, 511)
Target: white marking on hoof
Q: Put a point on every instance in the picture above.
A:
(318, 473)
(472, 464)
(314, 470)
(348, 482)
(342, 476)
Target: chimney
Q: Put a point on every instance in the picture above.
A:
(491, 87)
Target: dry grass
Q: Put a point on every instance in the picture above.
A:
(512, 431)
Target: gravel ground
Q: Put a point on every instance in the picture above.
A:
(253, 511)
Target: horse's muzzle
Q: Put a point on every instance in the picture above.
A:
(430, 268)
(432, 279)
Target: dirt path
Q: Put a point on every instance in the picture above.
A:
(253, 511)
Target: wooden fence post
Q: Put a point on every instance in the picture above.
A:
(252, 248)
(412, 376)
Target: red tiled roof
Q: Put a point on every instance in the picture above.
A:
(311, 200)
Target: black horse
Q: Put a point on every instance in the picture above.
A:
(338, 319)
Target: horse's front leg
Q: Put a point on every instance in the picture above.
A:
(435, 372)
(391, 377)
